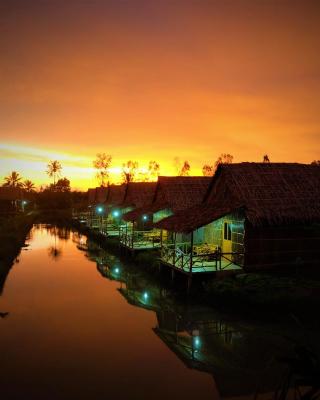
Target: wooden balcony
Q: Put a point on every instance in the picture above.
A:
(140, 240)
(205, 258)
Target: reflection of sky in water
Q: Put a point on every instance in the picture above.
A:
(71, 334)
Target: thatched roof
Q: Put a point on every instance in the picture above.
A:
(175, 193)
(135, 214)
(101, 194)
(269, 194)
(139, 194)
(116, 194)
(10, 193)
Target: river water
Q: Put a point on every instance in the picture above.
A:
(83, 325)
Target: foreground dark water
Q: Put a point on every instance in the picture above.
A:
(82, 325)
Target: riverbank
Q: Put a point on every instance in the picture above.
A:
(13, 232)
(265, 295)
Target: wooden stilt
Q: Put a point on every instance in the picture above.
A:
(189, 283)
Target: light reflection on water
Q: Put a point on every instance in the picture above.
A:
(71, 333)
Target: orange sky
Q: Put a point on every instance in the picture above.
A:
(154, 79)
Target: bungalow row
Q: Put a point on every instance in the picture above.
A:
(247, 216)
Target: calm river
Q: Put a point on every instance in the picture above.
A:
(82, 325)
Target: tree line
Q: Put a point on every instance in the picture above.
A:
(130, 172)
(14, 179)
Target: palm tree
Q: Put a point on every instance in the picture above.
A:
(13, 180)
(28, 186)
(54, 170)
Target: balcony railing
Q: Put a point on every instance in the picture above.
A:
(140, 239)
(201, 259)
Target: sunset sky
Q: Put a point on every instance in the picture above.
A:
(156, 79)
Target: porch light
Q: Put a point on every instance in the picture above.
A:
(116, 270)
(24, 202)
(116, 213)
(145, 217)
(197, 342)
(99, 210)
(145, 296)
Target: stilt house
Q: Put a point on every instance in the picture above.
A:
(172, 194)
(253, 216)
(111, 211)
(138, 195)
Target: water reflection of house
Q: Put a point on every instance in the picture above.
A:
(80, 241)
(237, 359)
(172, 194)
(253, 215)
(138, 291)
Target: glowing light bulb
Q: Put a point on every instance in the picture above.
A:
(145, 296)
(145, 217)
(116, 213)
(116, 270)
(197, 341)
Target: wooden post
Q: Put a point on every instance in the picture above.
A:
(189, 283)
(174, 249)
(172, 273)
(190, 268)
(132, 234)
(191, 254)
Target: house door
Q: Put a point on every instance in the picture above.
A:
(226, 239)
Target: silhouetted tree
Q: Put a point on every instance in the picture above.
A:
(266, 158)
(129, 171)
(316, 162)
(102, 164)
(13, 180)
(29, 186)
(63, 185)
(153, 170)
(185, 170)
(54, 170)
(224, 158)
(208, 170)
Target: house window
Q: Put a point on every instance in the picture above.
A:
(227, 231)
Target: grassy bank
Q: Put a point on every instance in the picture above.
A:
(13, 232)
(265, 294)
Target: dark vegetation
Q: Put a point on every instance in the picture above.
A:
(262, 294)
(14, 229)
